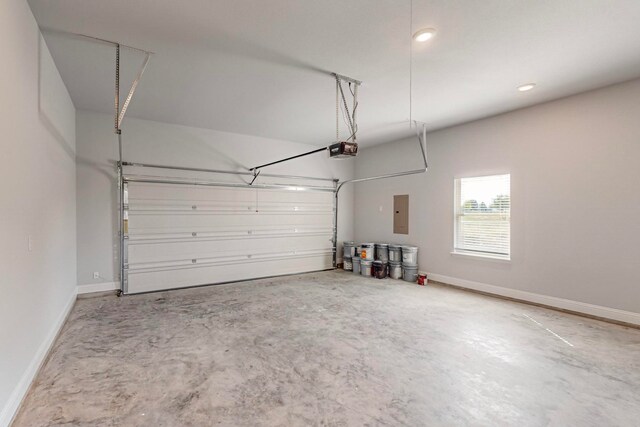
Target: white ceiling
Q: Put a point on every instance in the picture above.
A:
(261, 67)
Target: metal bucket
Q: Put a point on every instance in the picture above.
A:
(395, 270)
(409, 273)
(395, 253)
(355, 262)
(367, 251)
(348, 249)
(380, 269)
(347, 265)
(410, 255)
(365, 267)
(382, 252)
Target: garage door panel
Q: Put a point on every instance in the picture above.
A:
(141, 192)
(251, 262)
(285, 208)
(228, 208)
(143, 221)
(166, 250)
(187, 235)
(192, 205)
(177, 233)
(286, 196)
(183, 276)
(302, 194)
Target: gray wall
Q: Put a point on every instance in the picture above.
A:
(162, 143)
(38, 283)
(574, 184)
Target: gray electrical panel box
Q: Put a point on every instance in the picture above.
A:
(401, 214)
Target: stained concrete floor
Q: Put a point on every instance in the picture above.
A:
(337, 350)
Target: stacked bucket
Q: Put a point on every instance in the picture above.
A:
(395, 261)
(349, 250)
(381, 260)
(366, 258)
(403, 262)
(410, 263)
(381, 264)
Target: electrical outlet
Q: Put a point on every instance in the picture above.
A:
(96, 275)
(380, 208)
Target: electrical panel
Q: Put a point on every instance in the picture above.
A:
(401, 214)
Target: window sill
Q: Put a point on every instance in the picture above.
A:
(490, 257)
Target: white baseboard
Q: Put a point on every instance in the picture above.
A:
(561, 303)
(20, 391)
(98, 287)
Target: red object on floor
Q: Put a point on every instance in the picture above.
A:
(422, 279)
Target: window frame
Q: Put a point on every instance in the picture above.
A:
(478, 254)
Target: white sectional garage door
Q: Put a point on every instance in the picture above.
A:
(180, 235)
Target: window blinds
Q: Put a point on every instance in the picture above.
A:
(483, 215)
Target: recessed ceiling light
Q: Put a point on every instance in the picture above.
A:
(424, 34)
(526, 87)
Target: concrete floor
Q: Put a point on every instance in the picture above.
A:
(333, 349)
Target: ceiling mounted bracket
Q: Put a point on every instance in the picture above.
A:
(422, 139)
(349, 116)
(421, 133)
(347, 79)
(117, 92)
(132, 90)
(119, 113)
(93, 39)
(339, 148)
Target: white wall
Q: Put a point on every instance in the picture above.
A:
(162, 143)
(38, 285)
(574, 191)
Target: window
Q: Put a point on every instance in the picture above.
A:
(483, 216)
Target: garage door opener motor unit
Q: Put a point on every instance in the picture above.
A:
(341, 150)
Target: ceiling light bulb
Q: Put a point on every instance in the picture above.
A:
(526, 87)
(424, 34)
